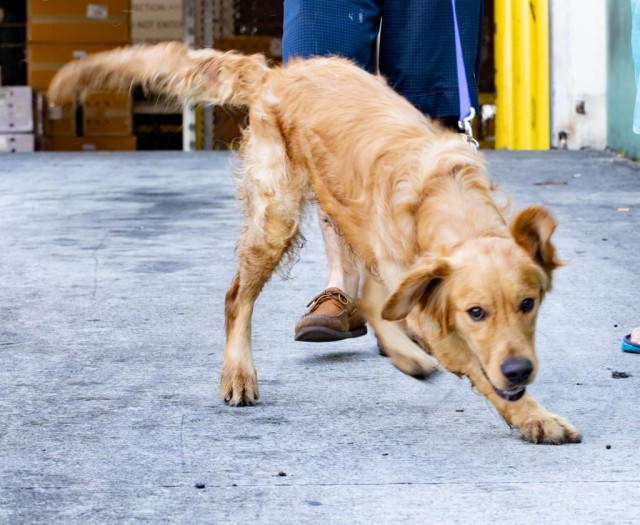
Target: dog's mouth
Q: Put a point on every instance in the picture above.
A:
(512, 394)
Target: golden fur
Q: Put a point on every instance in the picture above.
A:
(409, 198)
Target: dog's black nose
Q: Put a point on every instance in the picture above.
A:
(517, 370)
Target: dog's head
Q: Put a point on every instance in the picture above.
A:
(487, 292)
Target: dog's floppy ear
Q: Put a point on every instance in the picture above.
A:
(532, 230)
(422, 283)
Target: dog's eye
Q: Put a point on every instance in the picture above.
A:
(527, 305)
(477, 314)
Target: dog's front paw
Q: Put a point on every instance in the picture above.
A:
(239, 386)
(419, 365)
(549, 429)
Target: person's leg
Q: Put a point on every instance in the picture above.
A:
(342, 272)
(346, 28)
(332, 314)
(417, 51)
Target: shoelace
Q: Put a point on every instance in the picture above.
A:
(330, 295)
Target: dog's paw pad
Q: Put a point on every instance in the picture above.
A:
(239, 387)
(550, 430)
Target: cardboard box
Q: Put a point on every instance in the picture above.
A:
(107, 113)
(67, 30)
(16, 109)
(154, 21)
(101, 114)
(93, 9)
(92, 143)
(61, 121)
(78, 21)
(17, 143)
(53, 120)
(45, 59)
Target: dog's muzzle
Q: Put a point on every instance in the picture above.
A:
(513, 394)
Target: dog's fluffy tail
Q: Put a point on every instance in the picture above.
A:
(171, 69)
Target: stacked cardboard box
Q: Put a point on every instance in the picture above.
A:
(154, 21)
(46, 58)
(102, 114)
(78, 21)
(59, 32)
(103, 122)
(16, 119)
(16, 115)
(157, 126)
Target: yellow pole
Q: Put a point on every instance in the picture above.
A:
(543, 115)
(522, 74)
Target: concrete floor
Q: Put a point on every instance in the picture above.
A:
(113, 270)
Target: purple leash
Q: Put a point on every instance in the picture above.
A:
(467, 112)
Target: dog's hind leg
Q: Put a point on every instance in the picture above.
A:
(273, 206)
(405, 354)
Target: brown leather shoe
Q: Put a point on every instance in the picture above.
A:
(332, 316)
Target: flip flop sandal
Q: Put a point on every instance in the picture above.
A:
(628, 346)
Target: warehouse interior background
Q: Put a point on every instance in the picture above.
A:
(554, 73)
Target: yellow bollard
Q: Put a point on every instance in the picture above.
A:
(522, 74)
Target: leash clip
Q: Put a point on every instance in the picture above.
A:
(466, 131)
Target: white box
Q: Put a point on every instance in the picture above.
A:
(154, 21)
(16, 109)
(18, 143)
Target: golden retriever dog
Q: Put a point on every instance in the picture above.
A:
(409, 198)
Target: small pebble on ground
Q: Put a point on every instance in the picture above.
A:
(620, 375)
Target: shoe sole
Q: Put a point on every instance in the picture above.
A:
(321, 334)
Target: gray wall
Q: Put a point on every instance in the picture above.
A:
(621, 80)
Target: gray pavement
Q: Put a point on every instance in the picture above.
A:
(113, 269)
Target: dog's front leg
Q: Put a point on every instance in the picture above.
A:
(535, 423)
(405, 354)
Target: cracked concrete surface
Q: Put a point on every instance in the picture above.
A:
(113, 271)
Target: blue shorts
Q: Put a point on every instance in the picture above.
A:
(417, 53)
